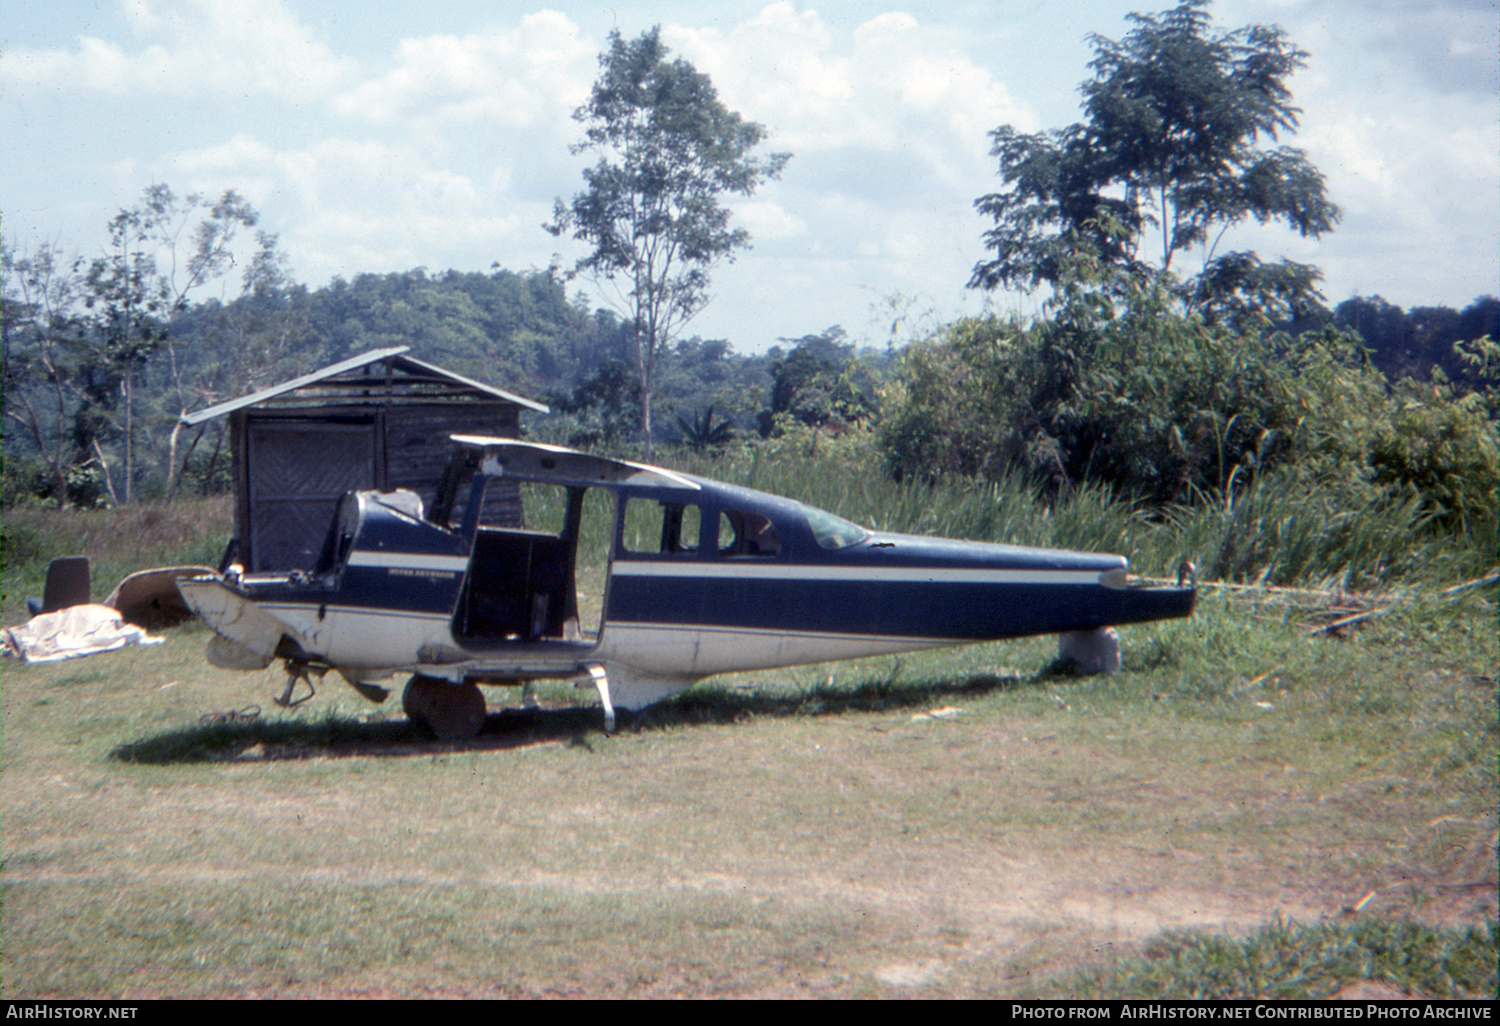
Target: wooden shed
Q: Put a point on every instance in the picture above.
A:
(378, 420)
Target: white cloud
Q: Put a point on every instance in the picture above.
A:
(536, 73)
(767, 219)
(889, 126)
(187, 48)
(894, 84)
(348, 206)
(1416, 170)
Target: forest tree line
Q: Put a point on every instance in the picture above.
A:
(65, 372)
(84, 365)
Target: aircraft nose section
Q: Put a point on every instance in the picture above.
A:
(232, 616)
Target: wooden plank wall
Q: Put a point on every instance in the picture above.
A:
(411, 447)
(418, 449)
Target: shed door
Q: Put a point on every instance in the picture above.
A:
(297, 471)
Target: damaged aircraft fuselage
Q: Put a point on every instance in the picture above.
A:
(633, 578)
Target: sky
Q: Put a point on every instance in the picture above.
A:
(384, 135)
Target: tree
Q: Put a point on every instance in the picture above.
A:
(1420, 343)
(701, 433)
(1116, 385)
(210, 257)
(136, 299)
(594, 413)
(44, 337)
(1172, 152)
(668, 150)
(823, 383)
(130, 302)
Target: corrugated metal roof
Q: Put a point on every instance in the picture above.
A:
(326, 376)
(498, 392)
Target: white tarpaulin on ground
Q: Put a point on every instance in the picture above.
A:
(70, 633)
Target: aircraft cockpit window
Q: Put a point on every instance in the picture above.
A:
(668, 528)
(833, 532)
(747, 534)
(453, 496)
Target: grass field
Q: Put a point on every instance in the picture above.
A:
(1248, 809)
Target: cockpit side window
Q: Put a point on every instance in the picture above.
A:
(503, 504)
(742, 533)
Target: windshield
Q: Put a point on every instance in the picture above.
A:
(833, 532)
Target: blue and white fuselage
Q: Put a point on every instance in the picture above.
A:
(660, 579)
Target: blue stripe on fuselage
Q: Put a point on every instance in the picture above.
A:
(969, 603)
(399, 589)
(905, 608)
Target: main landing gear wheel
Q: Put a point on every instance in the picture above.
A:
(454, 712)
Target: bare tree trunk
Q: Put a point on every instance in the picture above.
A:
(129, 434)
(109, 481)
(59, 472)
(646, 411)
(172, 454)
(644, 356)
(57, 457)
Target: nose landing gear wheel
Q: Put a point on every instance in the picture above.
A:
(454, 712)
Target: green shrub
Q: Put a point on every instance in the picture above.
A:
(1116, 385)
(1442, 449)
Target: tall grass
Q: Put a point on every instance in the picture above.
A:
(1276, 531)
(118, 542)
